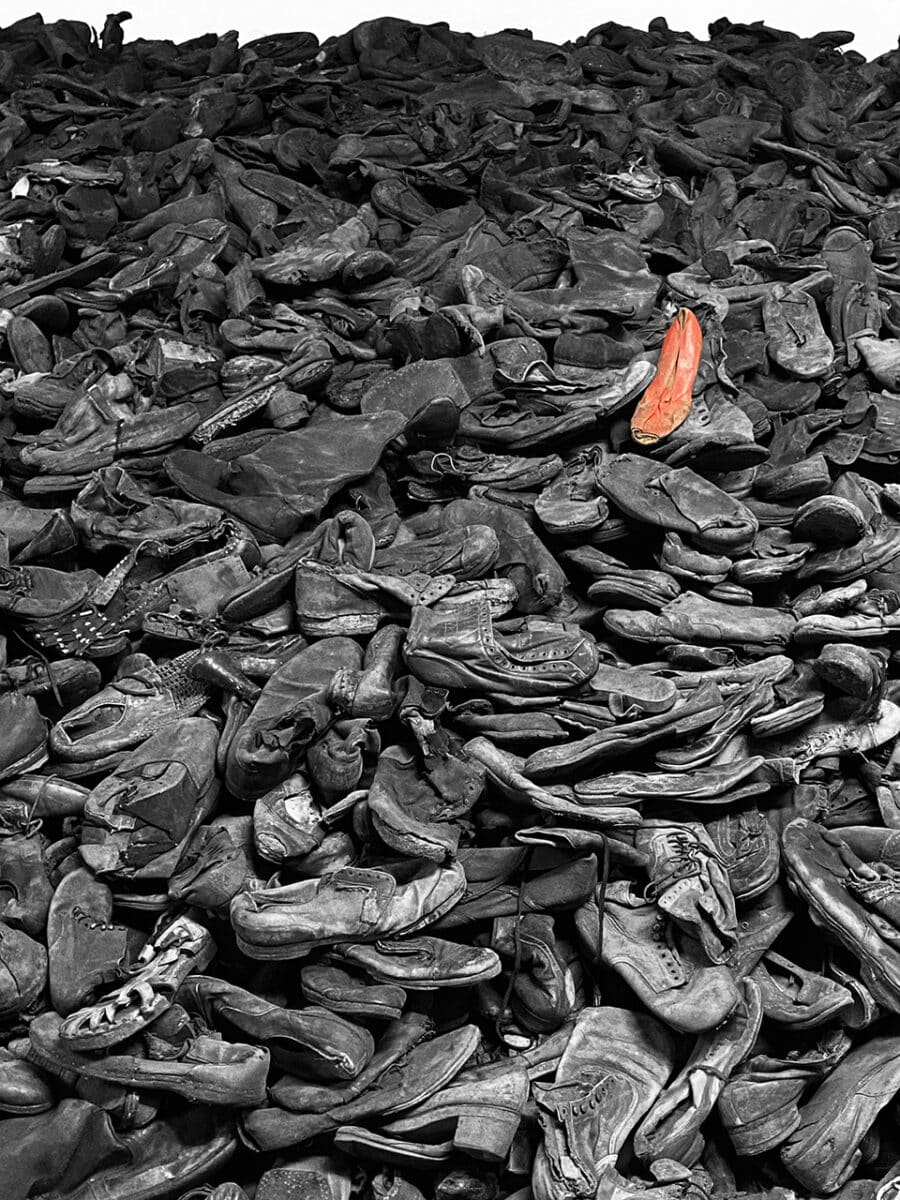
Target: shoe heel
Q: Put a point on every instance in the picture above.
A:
(487, 1133)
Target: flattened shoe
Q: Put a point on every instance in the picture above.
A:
(129, 710)
(310, 1042)
(824, 1150)
(796, 339)
(139, 819)
(460, 647)
(362, 904)
(694, 618)
(206, 1069)
(401, 1081)
(792, 995)
(331, 986)
(848, 877)
(420, 963)
(291, 711)
(759, 1105)
(676, 498)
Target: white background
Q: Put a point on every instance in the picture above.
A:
(876, 24)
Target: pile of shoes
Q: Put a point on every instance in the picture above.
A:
(449, 583)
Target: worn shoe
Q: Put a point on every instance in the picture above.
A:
(138, 820)
(87, 950)
(669, 973)
(292, 710)
(204, 1069)
(461, 647)
(310, 1042)
(613, 1068)
(420, 963)
(365, 904)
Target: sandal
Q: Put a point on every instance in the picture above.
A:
(173, 953)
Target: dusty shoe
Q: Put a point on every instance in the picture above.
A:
(292, 710)
(689, 884)
(333, 987)
(318, 1177)
(849, 878)
(545, 979)
(852, 670)
(403, 1078)
(676, 499)
(25, 887)
(668, 971)
(23, 971)
(287, 821)
(420, 963)
(410, 814)
(214, 866)
(613, 1068)
(309, 1042)
(369, 692)
(87, 950)
(138, 820)
(55, 610)
(672, 1128)
(824, 1150)
(204, 1069)
(190, 1145)
(132, 708)
(794, 996)
(759, 1105)
(24, 1088)
(460, 647)
(797, 341)
(748, 847)
(365, 904)
(336, 761)
(171, 954)
(482, 1108)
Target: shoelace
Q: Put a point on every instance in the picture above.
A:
(684, 863)
(42, 661)
(29, 827)
(439, 458)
